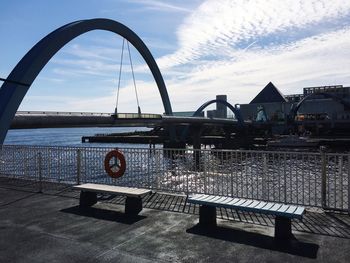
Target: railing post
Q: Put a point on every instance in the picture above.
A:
(40, 172)
(78, 166)
(349, 184)
(264, 177)
(285, 177)
(323, 177)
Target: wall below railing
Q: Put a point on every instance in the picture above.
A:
(311, 179)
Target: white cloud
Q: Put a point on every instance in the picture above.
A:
(157, 5)
(161, 6)
(320, 60)
(221, 24)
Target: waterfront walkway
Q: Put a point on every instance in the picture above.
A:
(49, 227)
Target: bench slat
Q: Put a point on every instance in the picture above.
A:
(267, 206)
(246, 203)
(283, 208)
(299, 211)
(216, 200)
(261, 205)
(241, 201)
(228, 199)
(291, 209)
(201, 197)
(209, 198)
(234, 201)
(198, 197)
(220, 200)
(275, 207)
(254, 204)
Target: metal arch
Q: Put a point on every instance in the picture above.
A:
(294, 109)
(13, 91)
(201, 108)
(228, 105)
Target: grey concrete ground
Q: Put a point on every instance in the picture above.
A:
(49, 227)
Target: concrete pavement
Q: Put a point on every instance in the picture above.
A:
(50, 227)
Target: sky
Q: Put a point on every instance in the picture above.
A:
(203, 48)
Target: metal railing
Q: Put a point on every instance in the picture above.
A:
(96, 114)
(311, 179)
(137, 116)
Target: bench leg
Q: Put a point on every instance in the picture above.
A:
(207, 215)
(133, 205)
(87, 199)
(283, 227)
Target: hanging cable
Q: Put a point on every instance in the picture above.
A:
(120, 74)
(133, 77)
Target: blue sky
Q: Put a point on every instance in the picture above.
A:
(203, 48)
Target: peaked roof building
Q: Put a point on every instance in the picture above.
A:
(269, 94)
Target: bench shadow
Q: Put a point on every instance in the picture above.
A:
(291, 246)
(104, 214)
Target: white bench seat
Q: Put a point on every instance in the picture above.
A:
(133, 202)
(249, 205)
(283, 212)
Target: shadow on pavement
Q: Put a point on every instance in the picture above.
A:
(103, 214)
(292, 246)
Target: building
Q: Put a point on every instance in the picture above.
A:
(221, 110)
(332, 102)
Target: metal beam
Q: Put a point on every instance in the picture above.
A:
(14, 82)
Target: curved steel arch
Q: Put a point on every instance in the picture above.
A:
(203, 106)
(294, 109)
(22, 76)
(227, 104)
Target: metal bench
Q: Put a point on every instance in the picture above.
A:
(133, 203)
(283, 212)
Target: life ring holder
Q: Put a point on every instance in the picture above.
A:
(117, 169)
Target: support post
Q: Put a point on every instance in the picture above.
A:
(264, 179)
(196, 147)
(40, 172)
(207, 216)
(78, 166)
(133, 205)
(348, 184)
(323, 177)
(87, 199)
(283, 227)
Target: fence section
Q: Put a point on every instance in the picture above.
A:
(312, 179)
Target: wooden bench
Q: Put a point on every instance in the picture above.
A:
(283, 212)
(133, 203)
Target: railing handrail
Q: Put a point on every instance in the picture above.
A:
(173, 149)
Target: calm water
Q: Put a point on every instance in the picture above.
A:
(66, 136)
(273, 176)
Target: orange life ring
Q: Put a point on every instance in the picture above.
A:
(118, 168)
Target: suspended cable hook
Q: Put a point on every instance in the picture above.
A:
(120, 74)
(133, 77)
